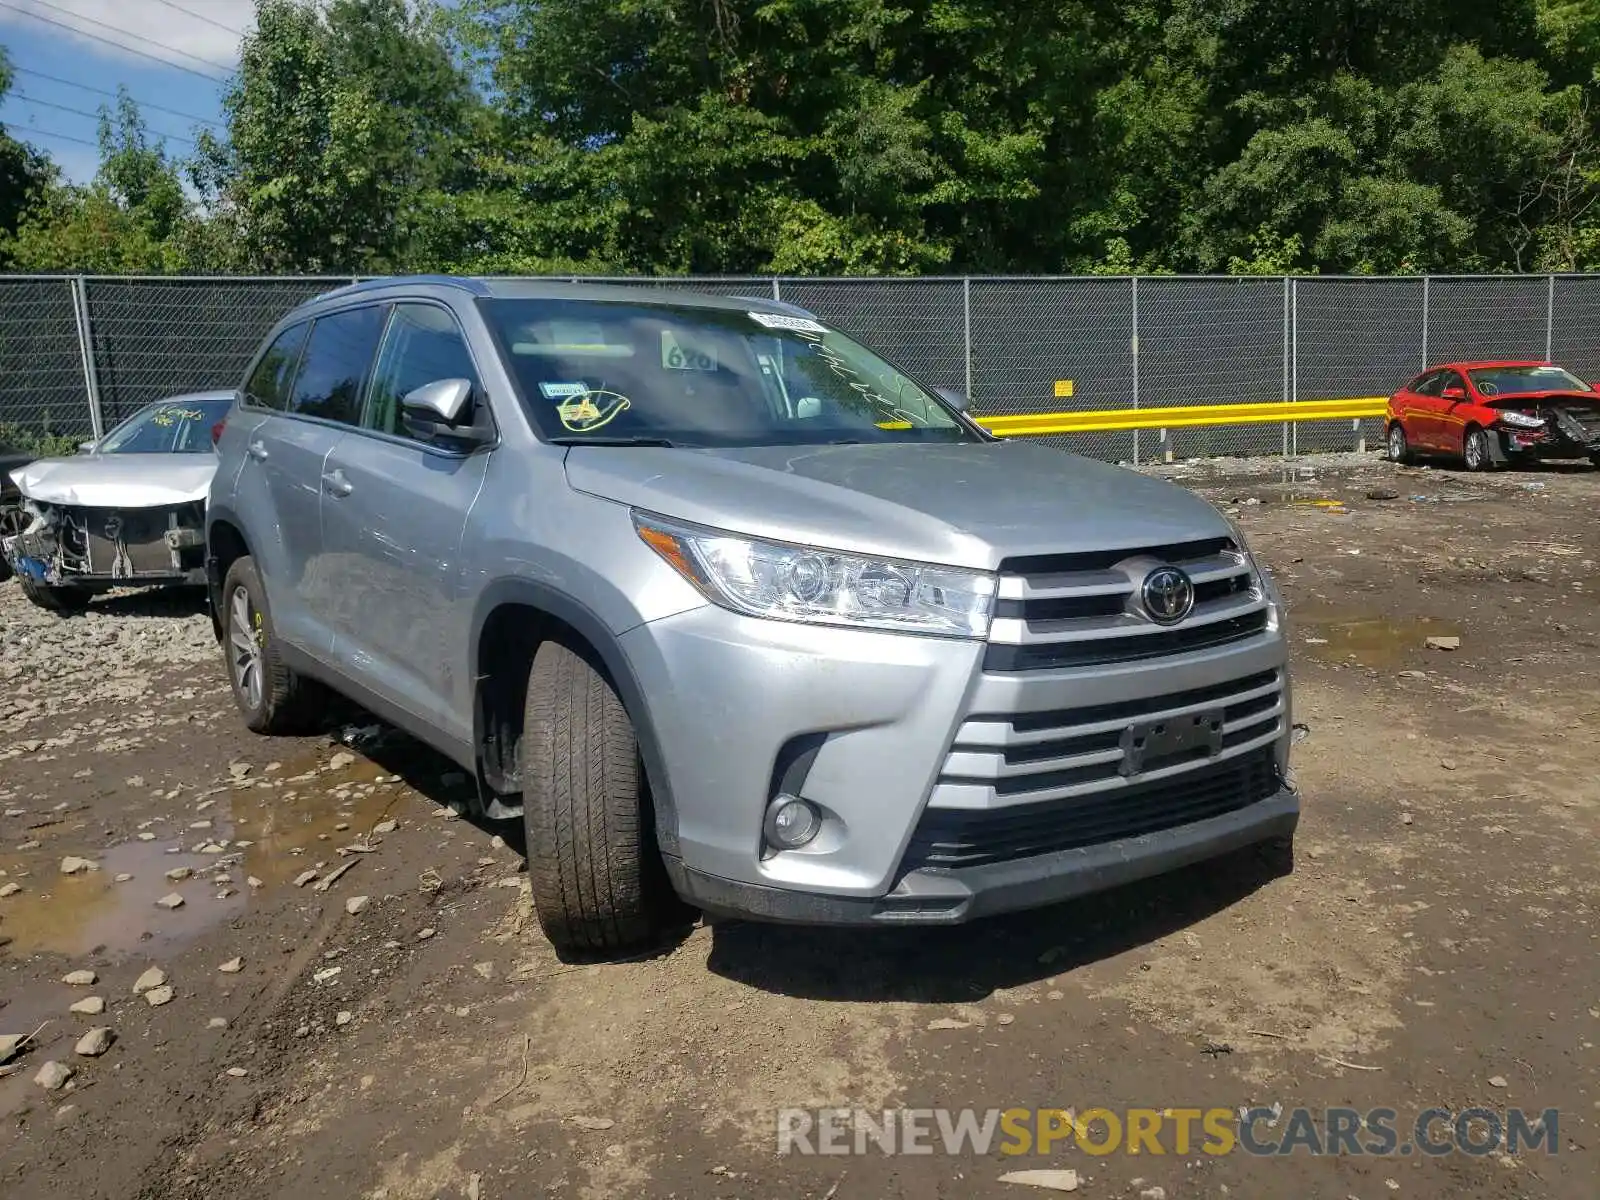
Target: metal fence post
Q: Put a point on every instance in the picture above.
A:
(1287, 288)
(91, 384)
(1135, 345)
(1550, 319)
(775, 294)
(1427, 280)
(1294, 362)
(966, 331)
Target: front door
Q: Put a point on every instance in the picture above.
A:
(392, 531)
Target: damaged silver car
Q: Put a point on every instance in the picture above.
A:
(129, 510)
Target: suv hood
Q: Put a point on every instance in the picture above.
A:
(118, 480)
(965, 504)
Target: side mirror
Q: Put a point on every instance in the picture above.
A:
(87, 447)
(956, 400)
(436, 410)
(1454, 393)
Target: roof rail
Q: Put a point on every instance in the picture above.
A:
(781, 305)
(476, 286)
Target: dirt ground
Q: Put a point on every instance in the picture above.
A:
(1435, 944)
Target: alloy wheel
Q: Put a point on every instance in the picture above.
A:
(244, 643)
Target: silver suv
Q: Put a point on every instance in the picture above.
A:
(734, 611)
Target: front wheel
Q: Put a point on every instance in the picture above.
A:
(1399, 449)
(271, 698)
(598, 883)
(63, 601)
(1475, 450)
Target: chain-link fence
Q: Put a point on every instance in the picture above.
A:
(77, 354)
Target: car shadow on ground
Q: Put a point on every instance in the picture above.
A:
(185, 601)
(942, 965)
(966, 963)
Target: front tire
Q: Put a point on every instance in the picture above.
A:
(1399, 449)
(63, 601)
(271, 698)
(596, 874)
(1475, 450)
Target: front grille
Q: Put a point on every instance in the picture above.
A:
(954, 838)
(1025, 757)
(1083, 609)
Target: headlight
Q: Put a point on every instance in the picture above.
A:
(799, 583)
(1519, 420)
(1260, 575)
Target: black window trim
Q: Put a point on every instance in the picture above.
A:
(246, 400)
(405, 439)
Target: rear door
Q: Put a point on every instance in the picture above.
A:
(392, 528)
(1422, 404)
(287, 452)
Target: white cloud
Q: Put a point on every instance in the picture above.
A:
(145, 23)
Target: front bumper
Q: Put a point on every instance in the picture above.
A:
(950, 897)
(903, 743)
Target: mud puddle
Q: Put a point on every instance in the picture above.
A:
(1345, 636)
(260, 834)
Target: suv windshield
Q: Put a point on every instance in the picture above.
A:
(618, 372)
(1517, 381)
(171, 427)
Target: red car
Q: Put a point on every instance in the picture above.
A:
(1491, 414)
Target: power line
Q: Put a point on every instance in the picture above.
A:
(138, 37)
(79, 112)
(65, 137)
(118, 45)
(143, 104)
(202, 17)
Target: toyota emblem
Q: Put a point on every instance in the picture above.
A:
(1168, 595)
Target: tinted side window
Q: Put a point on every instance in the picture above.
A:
(337, 359)
(1452, 379)
(423, 344)
(268, 384)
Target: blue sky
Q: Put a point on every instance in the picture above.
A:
(192, 46)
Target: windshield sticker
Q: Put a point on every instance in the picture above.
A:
(170, 415)
(591, 410)
(680, 356)
(562, 391)
(798, 324)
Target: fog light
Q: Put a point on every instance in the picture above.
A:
(792, 822)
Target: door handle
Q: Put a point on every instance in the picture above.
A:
(336, 484)
(258, 450)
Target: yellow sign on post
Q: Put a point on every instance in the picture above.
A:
(1064, 389)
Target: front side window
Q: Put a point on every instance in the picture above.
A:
(1430, 384)
(334, 368)
(423, 344)
(706, 377)
(268, 385)
(171, 427)
(1520, 381)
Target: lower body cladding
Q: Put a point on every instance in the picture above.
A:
(64, 546)
(934, 792)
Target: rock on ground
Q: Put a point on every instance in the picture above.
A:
(153, 978)
(53, 1076)
(95, 1043)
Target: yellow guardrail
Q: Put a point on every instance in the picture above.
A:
(1184, 416)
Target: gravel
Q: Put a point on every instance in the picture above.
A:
(52, 666)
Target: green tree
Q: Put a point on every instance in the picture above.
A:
(341, 120)
(133, 217)
(24, 173)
